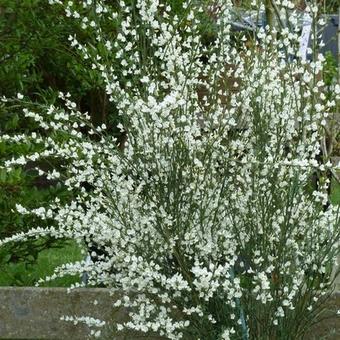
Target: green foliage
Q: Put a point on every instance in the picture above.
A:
(329, 6)
(37, 62)
(335, 196)
(37, 58)
(330, 70)
(27, 274)
(22, 185)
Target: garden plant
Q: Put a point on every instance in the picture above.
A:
(36, 61)
(209, 212)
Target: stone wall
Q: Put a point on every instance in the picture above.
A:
(34, 313)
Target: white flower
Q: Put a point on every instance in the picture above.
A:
(200, 200)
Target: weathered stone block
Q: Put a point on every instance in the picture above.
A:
(34, 313)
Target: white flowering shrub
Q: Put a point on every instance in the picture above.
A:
(204, 218)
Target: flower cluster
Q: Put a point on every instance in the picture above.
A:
(204, 217)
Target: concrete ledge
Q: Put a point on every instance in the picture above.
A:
(329, 326)
(34, 313)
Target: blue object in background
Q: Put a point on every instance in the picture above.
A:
(329, 35)
(249, 21)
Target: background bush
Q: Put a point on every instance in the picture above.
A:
(37, 62)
